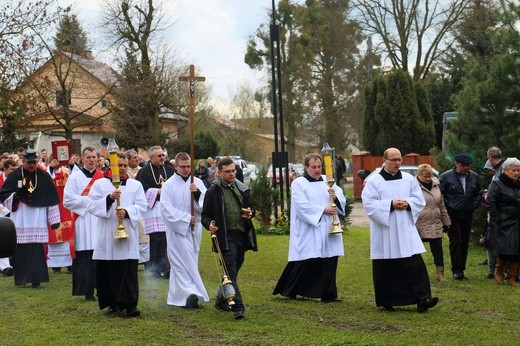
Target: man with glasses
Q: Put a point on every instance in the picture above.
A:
(393, 201)
(184, 234)
(153, 176)
(227, 212)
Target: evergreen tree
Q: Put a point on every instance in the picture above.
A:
(397, 114)
(425, 134)
(70, 37)
(490, 92)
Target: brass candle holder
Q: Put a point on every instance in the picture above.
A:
(327, 162)
(112, 148)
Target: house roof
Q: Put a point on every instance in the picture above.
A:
(100, 70)
(166, 113)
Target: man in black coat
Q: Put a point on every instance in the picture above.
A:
(227, 212)
(462, 194)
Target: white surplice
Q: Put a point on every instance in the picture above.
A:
(134, 202)
(183, 244)
(310, 229)
(85, 228)
(393, 233)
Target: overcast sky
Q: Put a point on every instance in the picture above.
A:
(211, 34)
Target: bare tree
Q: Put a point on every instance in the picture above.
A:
(412, 33)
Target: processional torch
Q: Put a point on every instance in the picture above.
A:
(226, 285)
(112, 149)
(327, 161)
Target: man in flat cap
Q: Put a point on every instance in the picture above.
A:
(462, 193)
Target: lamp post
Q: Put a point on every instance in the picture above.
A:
(112, 149)
(327, 162)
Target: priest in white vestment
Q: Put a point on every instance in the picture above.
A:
(75, 198)
(393, 201)
(31, 197)
(184, 234)
(313, 250)
(117, 259)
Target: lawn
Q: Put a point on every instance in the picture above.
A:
(475, 311)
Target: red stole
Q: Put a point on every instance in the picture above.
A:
(97, 175)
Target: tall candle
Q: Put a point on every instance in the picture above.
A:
(327, 159)
(114, 166)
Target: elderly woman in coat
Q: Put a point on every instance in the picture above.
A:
(433, 218)
(504, 211)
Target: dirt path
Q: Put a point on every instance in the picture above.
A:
(358, 216)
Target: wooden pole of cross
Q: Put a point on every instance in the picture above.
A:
(192, 79)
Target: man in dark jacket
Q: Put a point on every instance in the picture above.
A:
(462, 193)
(227, 212)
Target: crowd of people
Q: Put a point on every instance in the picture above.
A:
(101, 220)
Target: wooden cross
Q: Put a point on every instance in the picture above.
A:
(192, 79)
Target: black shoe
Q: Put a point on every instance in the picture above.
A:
(458, 276)
(90, 298)
(426, 304)
(132, 312)
(8, 271)
(36, 285)
(222, 305)
(331, 300)
(388, 308)
(112, 310)
(239, 314)
(490, 276)
(56, 270)
(192, 301)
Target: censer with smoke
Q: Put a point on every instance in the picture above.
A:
(226, 285)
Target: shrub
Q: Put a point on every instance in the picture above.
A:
(264, 198)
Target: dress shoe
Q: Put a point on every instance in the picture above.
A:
(222, 305)
(331, 300)
(8, 271)
(458, 276)
(192, 301)
(239, 314)
(132, 312)
(90, 298)
(112, 310)
(56, 270)
(36, 285)
(388, 308)
(426, 304)
(490, 276)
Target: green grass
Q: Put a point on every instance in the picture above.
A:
(473, 312)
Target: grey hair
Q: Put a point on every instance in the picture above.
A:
(510, 162)
(152, 149)
(129, 153)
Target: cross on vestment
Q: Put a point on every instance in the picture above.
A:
(192, 79)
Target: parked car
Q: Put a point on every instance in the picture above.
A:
(294, 174)
(412, 169)
(253, 169)
(299, 168)
(243, 165)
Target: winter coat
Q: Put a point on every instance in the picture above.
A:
(460, 204)
(434, 215)
(213, 209)
(504, 209)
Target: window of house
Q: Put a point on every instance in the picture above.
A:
(61, 99)
(104, 103)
